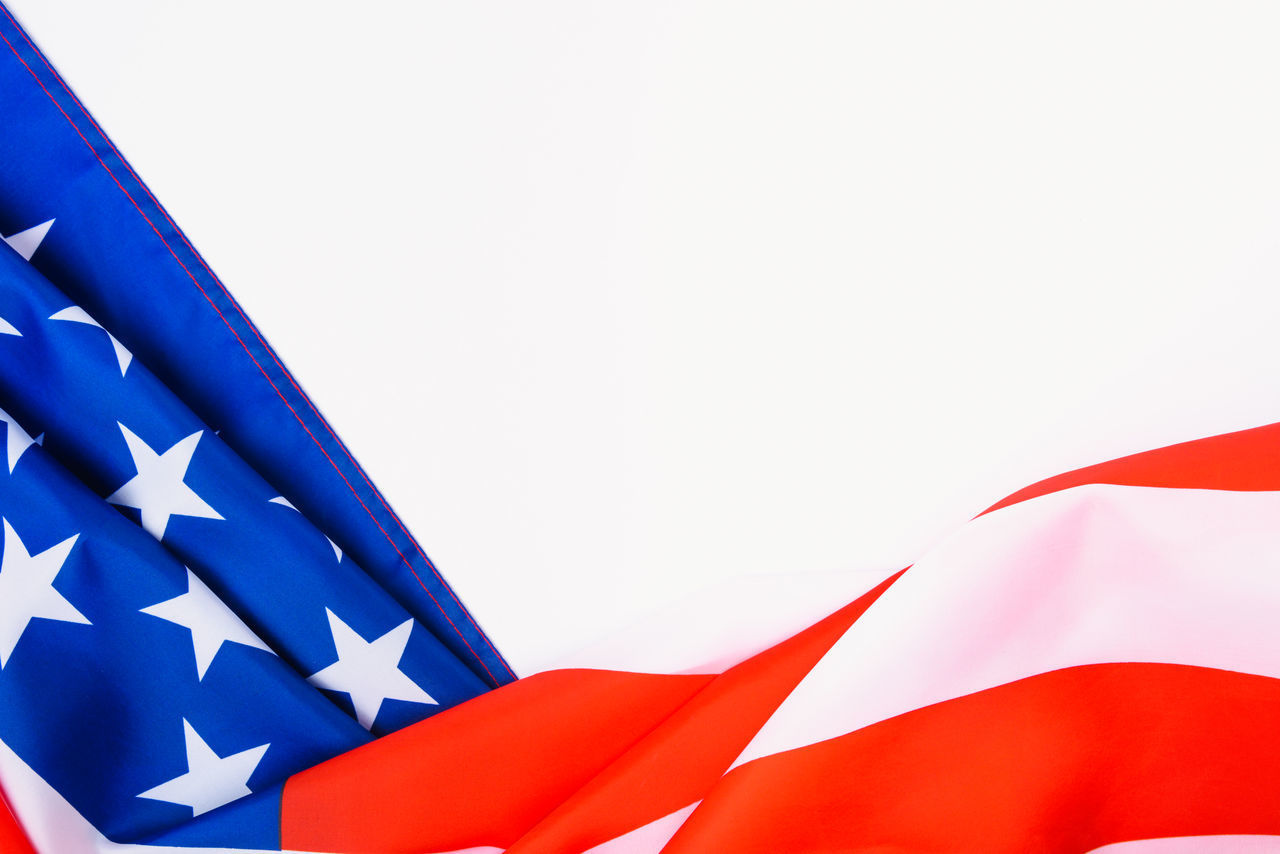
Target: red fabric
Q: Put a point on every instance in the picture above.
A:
(12, 839)
(680, 760)
(1248, 461)
(1063, 761)
(1060, 762)
(594, 753)
(480, 773)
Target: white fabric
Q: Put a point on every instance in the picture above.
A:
(648, 839)
(1195, 845)
(1090, 575)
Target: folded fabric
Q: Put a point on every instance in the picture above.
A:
(215, 635)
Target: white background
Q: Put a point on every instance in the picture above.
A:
(616, 301)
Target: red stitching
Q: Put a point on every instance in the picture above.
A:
(246, 349)
(274, 357)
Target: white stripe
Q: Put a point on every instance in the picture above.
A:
(1195, 845)
(648, 839)
(1089, 575)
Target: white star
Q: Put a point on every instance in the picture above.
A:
(76, 314)
(26, 589)
(211, 622)
(7, 328)
(211, 780)
(25, 243)
(158, 489)
(17, 439)
(284, 502)
(369, 670)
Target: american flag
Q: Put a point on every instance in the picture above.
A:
(215, 634)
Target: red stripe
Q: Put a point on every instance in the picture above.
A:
(682, 758)
(481, 773)
(1061, 762)
(12, 839)
(595, 753)
(1247, 461)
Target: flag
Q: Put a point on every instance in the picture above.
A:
(1090, 665)
(215, 634)
(201, 592)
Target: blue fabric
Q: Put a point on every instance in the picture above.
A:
(265, 560)
(96, 709)
(119, 346)
(115, 252)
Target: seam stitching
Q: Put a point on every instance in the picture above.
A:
(255, 361)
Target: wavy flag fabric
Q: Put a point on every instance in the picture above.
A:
(215, 635)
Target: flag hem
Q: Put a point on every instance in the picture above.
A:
(469, 641)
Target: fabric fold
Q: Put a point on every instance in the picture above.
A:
(109, 699)
(132, 441)
(117, 254)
